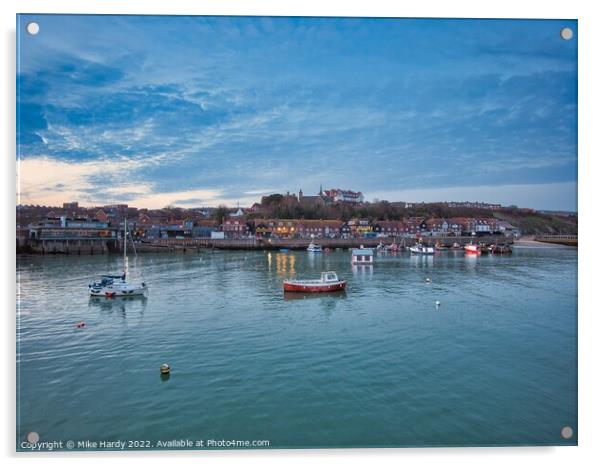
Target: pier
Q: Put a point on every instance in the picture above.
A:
(566, 240)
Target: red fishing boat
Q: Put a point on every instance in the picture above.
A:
(472, 248)
(328, 282)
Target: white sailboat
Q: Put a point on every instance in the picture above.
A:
(112, 286)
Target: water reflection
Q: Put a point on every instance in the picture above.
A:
(421, 260)
(296, 296)
(120, 304)
(362, 271)
(285, 264)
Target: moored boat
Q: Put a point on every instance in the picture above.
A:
(113, 286)
(502, 248)
(328, 281)
(472, 248)
(314, 247)
(420, 248)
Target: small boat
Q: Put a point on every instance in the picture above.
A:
(328, 281)
(456, 246)
(420, 248)
(284, 249)
(502, 248)
(314, 247)
(472, 248)
(112, 286)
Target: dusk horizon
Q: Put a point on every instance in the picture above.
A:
(230, 109)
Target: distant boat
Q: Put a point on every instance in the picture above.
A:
(283, 249)
(419, 248)
(472, 248)
(111, 286)
(362, 256)
(502, 248)
(314, 247)
(328, 281)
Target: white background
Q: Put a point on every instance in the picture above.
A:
(590, 287)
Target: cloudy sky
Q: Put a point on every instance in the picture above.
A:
(198, 111)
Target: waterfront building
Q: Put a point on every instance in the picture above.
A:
(414, 226)
(318, 228)
(345, 230)
(280, 228)
(389, 228)
(507, 229)
(461, 225)
(359, 226)
(64, 234)
(437, 226)
(235, 226)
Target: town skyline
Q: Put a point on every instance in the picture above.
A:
(409, 109)
(450, 203)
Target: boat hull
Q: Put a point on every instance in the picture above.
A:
(426, 251)
(298, 287)
(117, 293)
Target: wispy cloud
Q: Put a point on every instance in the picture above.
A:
(156, 109)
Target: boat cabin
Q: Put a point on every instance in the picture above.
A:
(362, 256)
(329, 277)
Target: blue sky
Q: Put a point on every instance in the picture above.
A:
(197, 111)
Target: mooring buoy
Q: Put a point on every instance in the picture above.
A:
(437, 303)
(165, 369)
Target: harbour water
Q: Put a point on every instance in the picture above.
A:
(379, 365)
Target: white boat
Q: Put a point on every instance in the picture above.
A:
(419, 248)
(314, 247)
(111, 286)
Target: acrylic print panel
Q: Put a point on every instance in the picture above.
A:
(273, 232)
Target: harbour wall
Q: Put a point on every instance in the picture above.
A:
(92, 247)
(192, 244)
(566, 240)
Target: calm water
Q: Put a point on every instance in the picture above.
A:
(380, 365)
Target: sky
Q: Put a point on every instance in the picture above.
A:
(201, 111)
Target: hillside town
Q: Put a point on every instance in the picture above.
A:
(332, 213)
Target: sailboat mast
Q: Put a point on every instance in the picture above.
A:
(125, 242)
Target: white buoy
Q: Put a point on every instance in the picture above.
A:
(165, 369)
(437, 303)
(428, 280)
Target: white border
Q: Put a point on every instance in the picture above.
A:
(590, 79)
